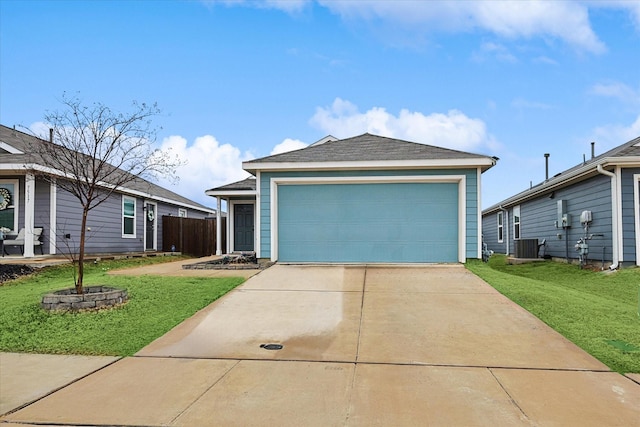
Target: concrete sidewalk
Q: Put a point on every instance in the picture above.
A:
(25, 378)
(361, 346)
(175, 269)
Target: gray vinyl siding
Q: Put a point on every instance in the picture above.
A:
(490, 233)
(539, 216)
(42, 209)
(21, 182)
(628, 215)
(105, 222)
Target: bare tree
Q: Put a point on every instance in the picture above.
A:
(93, 152)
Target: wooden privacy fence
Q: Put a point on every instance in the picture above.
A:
(195, 237)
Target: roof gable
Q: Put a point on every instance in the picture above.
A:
(620, 155)
(246, 185)
(21, 141)
(369, 148)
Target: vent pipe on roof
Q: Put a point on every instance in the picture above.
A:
(546, 166)
(593, 149)
(51, 135)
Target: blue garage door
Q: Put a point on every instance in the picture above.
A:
(390, 222)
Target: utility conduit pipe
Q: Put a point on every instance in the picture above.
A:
(614, 214)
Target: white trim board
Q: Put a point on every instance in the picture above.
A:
(372, 164)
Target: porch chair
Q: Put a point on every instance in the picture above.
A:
(19, 241)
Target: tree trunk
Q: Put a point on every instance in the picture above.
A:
(83, 231)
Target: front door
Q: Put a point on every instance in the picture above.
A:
(243, 228)
(150, 227)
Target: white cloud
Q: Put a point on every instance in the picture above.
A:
(611, 136)
(288, 145)
(451, 130)
(617, 90)
(494, 50)
(632, 7)
(562, 20)
(207, 164)
(545, 60)
(567, 21)
(40, 129)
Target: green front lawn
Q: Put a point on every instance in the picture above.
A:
(156, 304)
(598, 311)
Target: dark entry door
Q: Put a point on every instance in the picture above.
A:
(243, 228)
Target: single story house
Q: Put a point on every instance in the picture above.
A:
(129, 221)
(365, 199)
(598, 198)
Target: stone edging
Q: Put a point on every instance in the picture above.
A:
(208, 265)
(94, 298)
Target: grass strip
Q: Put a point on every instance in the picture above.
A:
(156, 304)
(598, 311)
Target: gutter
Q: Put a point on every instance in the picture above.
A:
(562, 180)
(614, 214)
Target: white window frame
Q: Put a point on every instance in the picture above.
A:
(135, 219)
(517, 221)
(182, 212)
(500, 221)
(15, 200)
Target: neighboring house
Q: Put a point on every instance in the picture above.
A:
(366, 199)
(129, 221)
(607, 186)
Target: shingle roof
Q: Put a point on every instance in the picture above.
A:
(248, 184)
(366, 147)
(23, 141)
(629, 150)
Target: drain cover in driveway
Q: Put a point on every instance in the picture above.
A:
(271, 346)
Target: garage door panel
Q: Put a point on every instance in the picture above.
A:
(395, 222)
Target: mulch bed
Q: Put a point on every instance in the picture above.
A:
(11, 271)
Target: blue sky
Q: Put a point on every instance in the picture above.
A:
(238, 80)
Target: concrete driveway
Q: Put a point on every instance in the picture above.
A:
(361, 346)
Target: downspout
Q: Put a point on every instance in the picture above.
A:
(505, 228)
(614, 214)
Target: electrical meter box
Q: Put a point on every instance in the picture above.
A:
(586, 217)
(564, 219)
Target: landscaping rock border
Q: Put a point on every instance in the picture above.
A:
(244, 261)
(13, 271)
(94, 298)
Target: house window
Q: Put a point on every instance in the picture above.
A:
(128, 217)
(182, 213)
(9, 204)
(500, 228)
(516, 222)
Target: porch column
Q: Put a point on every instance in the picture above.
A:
(29, 213)
(219, 226)
(228, 250)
